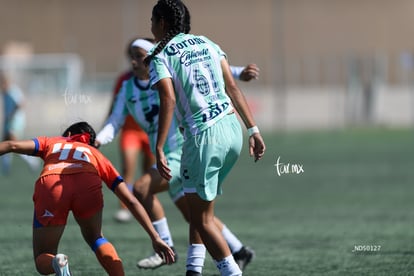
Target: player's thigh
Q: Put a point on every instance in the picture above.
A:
(46, 239)
(130, 161)
(158, 184)
(91, 227)
(150, 183)
(181, 204)
(201, 211)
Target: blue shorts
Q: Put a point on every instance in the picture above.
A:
(209, 156)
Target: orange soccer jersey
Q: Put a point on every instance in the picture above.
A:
(70, 180)
(65, 155)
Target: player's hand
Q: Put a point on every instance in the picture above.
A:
(163, 250)
(162, 165)
(257, 146)
(250, 72)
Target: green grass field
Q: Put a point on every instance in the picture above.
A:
(351, 212)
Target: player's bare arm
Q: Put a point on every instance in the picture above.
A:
(256, 143)
(23, 147)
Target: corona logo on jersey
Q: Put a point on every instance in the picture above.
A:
(175, 48)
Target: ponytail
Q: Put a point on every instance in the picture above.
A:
(176, 15)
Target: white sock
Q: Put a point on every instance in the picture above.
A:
(233, 242)
(228, 267)
(196, 254)
(161, 226)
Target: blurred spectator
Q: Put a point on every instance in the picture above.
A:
(14, 121)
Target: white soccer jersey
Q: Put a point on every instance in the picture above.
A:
(136, 98)
(193, 63)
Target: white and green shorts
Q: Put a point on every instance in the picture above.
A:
(209, 156)
(175, 184)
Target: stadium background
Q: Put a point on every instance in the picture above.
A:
(324, 64)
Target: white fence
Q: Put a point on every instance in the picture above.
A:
(57, 95)
(293, 109)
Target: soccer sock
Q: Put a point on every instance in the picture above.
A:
(196, 254)
(161, 226)
(44, 263)
(233, 242)
(106, 254)
(228, 266)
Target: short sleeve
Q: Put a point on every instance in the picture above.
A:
(158, 70)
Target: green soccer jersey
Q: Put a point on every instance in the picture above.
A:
(142, 103)
(193, 64)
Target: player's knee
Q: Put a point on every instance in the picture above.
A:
(43, 263)
(140, 191)
(142, 187)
